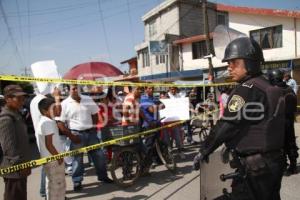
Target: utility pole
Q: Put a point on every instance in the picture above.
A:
(206, 31)
(25, 71)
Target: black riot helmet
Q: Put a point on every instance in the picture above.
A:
(275, 76)
(247, 49)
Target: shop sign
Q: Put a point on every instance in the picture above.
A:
(277, 65)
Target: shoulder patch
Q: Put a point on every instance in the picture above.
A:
(236, 103)
(248, 85)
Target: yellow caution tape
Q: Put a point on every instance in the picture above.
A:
(104, 83)
(39, 162)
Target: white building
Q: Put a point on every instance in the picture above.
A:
(277, 31)
(171, 20)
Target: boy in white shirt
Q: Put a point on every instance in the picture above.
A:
(51, 144)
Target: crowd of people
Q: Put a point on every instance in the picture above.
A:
(75, 121)
(80, 120)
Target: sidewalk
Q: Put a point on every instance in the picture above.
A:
(162, 184)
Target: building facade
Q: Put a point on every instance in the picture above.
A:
(277, 31)
(171, 20)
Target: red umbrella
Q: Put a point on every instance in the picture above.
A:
(92, 71)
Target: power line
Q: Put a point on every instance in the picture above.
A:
(130, 22)
(10, 34)
(104, 29)
(4, 42)
(56, 10)
(51, 10)
(79, 25)
(29, 31)
(91, 13)
(20, 24)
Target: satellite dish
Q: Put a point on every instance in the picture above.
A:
(222, 37)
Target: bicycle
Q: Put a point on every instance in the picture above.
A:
(130, 159)
(200, 127)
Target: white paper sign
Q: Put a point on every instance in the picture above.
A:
(175, 109)
(45, 69)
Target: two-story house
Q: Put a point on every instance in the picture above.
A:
(277, 32)
(158, 58)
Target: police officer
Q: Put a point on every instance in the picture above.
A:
(251, 125)
(290, 147)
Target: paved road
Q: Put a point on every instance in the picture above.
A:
(160, 185)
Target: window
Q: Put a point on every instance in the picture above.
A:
(157, 59)
(152, 28)
(268, 38)
(145, 57)
(162, 59)
(199, 49)
(222, 18)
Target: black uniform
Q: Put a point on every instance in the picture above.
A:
(252, 125)
(290, 146)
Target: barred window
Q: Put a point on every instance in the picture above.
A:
(222, 18)
(199, 49)
(162, 59)
(268, 38)
(145, 57)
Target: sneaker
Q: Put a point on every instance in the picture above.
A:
(77, 186)
(182, 156)
(106, 180)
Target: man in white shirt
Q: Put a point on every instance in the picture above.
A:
(80, 113)
(176, 130)
(291, 82)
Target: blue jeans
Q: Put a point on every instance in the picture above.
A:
(176, 134)
(189, 131)
(43, 182)
(88, 138)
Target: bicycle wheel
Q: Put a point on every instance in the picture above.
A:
(125, 166)
(203, 134)
(165, 156)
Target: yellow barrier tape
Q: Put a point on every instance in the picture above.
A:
(104, 83)
(38, 162)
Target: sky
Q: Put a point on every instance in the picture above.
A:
(78, 31)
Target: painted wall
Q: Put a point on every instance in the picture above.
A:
(166, 22)
(245, 23)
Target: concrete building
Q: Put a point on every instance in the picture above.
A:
(171, 20)
(277, 31)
